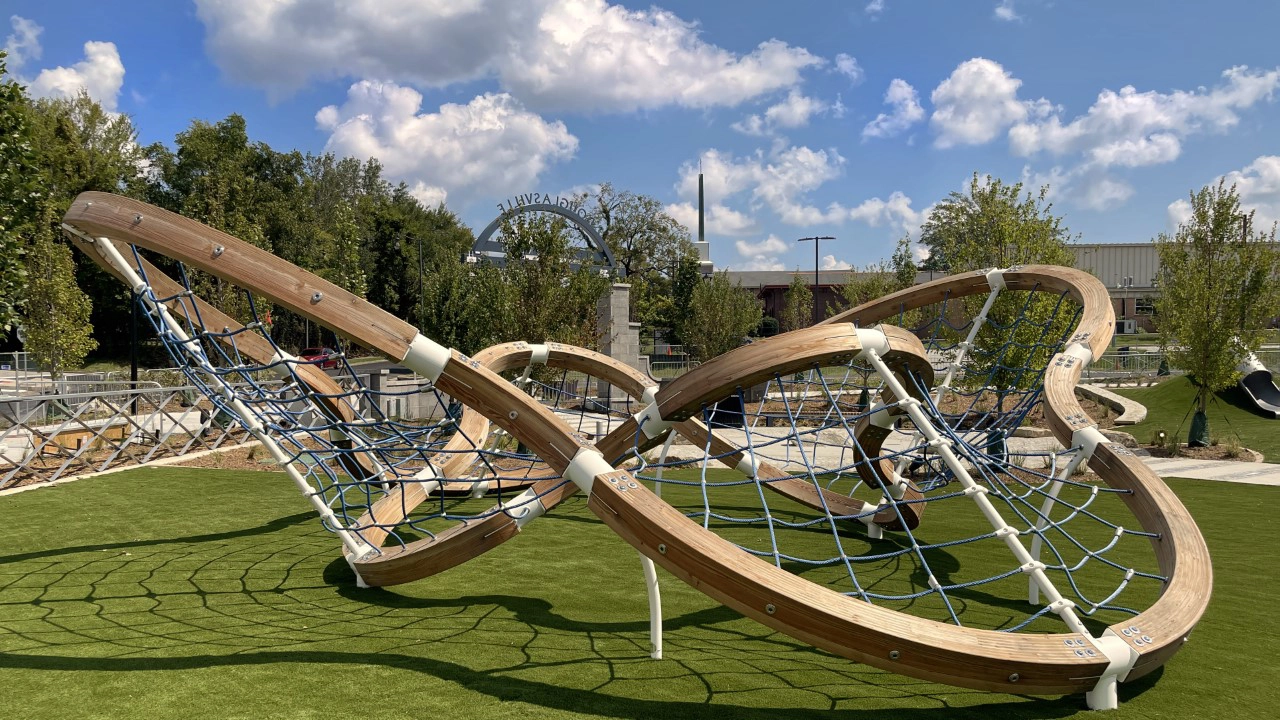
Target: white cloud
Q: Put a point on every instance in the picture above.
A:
(1179, 212)
(584, 55)
(100, 74)
(762, 255)
(23, 44)
(875, 7)
(793, 112)
(848, 66)
(780, 181)
(1258, 185)
(461, 150)
(1087, 186)
(906, 111)
(1132, 129)
(1004, 11)
(829, 262)
(429, 195)
(720, 219)
(977, 103)
(896, 212)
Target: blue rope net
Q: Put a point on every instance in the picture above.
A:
(377, 433)
(953, 566)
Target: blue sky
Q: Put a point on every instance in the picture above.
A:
(809, 118)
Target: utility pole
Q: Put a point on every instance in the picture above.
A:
(421, 324)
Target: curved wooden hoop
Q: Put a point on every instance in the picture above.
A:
(1040, 664)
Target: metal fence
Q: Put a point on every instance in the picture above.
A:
(48, 435)
(1120, 365)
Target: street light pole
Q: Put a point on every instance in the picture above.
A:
(817, 241)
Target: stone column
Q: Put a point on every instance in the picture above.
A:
(619, 337)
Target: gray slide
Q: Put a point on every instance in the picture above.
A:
(1259, 386)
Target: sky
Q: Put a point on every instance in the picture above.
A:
(849, 119)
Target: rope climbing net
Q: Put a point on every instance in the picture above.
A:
(1000, 510)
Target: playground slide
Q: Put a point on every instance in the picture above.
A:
(1259, 386)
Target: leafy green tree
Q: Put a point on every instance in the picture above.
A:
(722, 313)
(686, 278)
(550, 299)
(643, 238)
(797, 305)
(80, 146)
(20, 193)
(994, 225)
(58, 333)
(998, 225)
(341, 264)
(210, 178)
(878, 279)
(83, 147)
(1219, 289)
(649, 247)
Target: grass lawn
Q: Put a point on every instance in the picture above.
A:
(1168, 403)
(184, 593)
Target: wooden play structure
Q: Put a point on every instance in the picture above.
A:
(949, 369)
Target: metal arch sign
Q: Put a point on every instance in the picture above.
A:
(538, 202)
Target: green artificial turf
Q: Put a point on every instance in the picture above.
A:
(183, 593)
(1230, 415)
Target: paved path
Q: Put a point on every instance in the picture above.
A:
(1224, 470)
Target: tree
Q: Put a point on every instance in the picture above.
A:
(649, 248)
(879, 279)
(1218, 290)
(550, 299)
(797, 305)
(58, 333)
(19, 193)
(80, 146)
(721, 314)
(998, 225)
(994, 225)
(643, 238)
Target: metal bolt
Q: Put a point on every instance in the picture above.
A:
(217, 252)
(137, 218)
(894, 654)
(662, 548)
(1015, 677)
(317, 297)
(770, 608)
(513, 415)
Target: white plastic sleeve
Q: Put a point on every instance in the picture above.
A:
(426, 357)
(585, 467)
(872, 339)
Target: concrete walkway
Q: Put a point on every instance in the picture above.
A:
(1249, 473)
